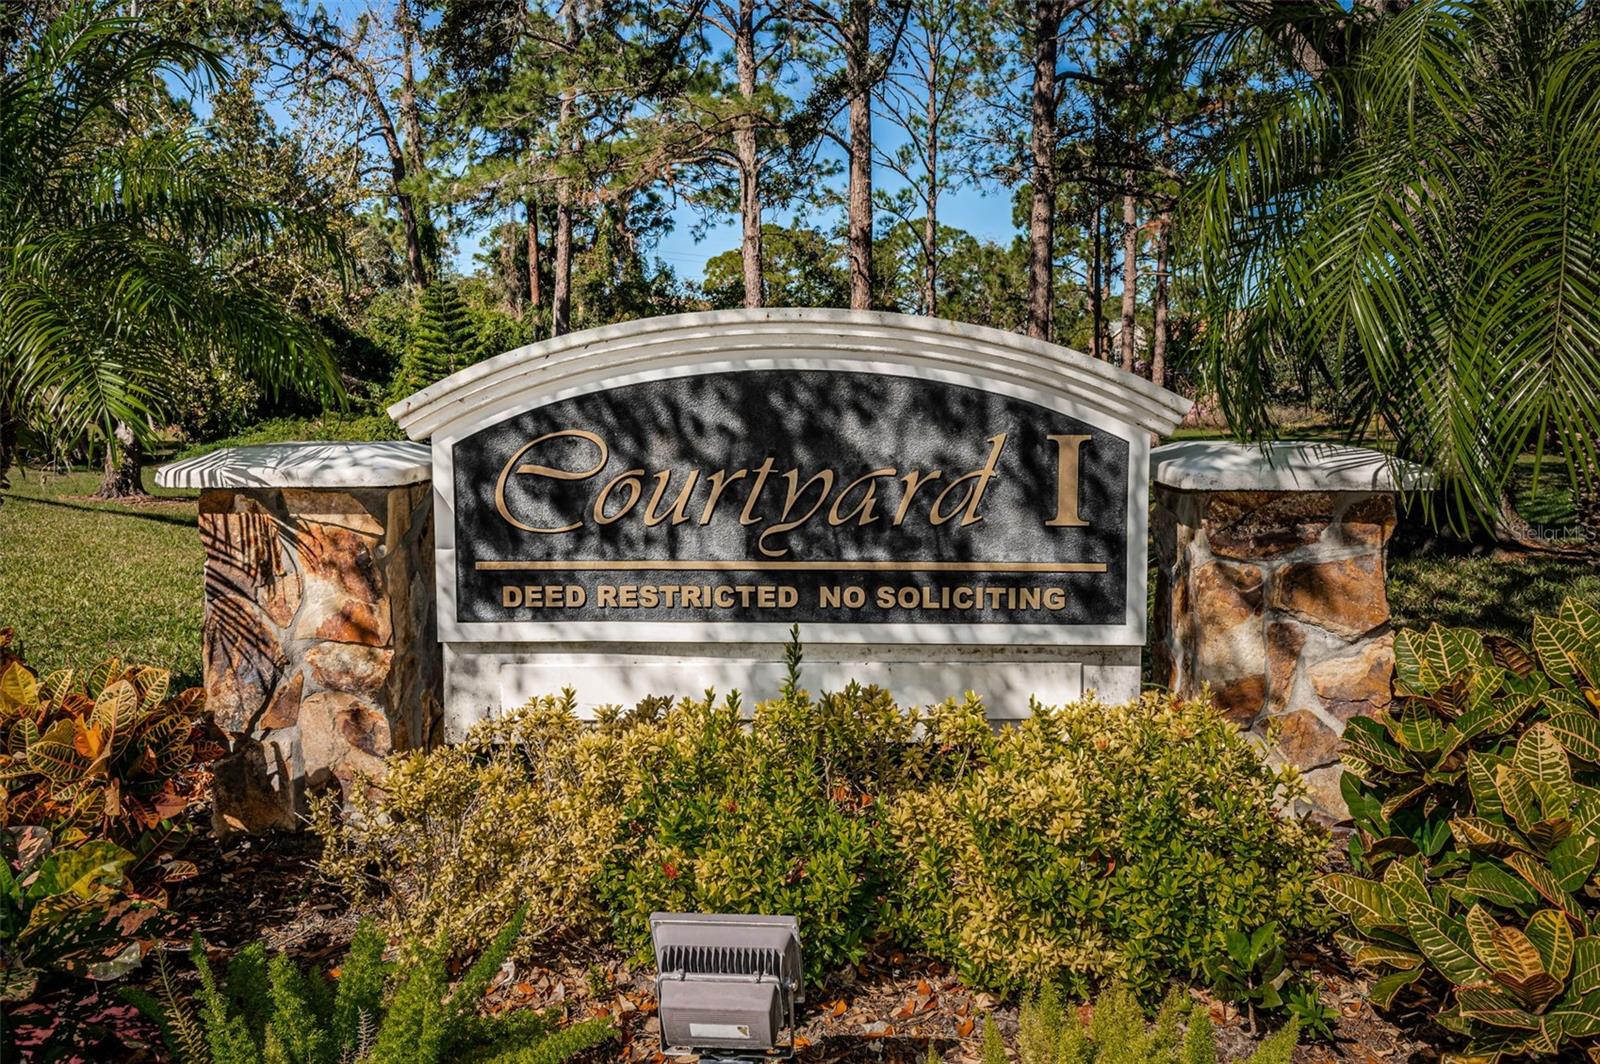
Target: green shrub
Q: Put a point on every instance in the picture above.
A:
(1117, 1033)
(1097, 842)
(329, 425)
(518, 816)
(377, 1013)
(1477, 804)
(1101, 842)
(778, 815)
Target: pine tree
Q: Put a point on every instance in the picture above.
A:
(442, 344)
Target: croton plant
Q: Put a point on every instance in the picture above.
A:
(95, 753)
(1476, 799)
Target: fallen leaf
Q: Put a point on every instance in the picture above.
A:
(801, 1042)
(837, 1009)
(906, 1011)
(964, 1028)
(923, 988)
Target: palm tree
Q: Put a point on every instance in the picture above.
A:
(116, 239)
(1416, 217)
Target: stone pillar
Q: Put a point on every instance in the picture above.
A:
(1270, 588)
(320, 646)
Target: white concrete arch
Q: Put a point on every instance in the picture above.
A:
(713, 341)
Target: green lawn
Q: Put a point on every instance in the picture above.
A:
(82, 580)
(1485, 592)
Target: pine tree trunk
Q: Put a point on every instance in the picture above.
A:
(408, 224)
(1158, 339)
(745, 150)
(1108, 267)
(1042, 174)
(1130, 276)
(124, 478)
(561, 297)
(1096, 347)
(930, 217)
(10, 429)
(858, 38)
(535, 296)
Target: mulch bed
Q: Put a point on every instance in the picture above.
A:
(890, 1008)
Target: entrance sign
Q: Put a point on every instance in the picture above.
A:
(649, 507)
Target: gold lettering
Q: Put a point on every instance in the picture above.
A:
(628, 479)
(717, 484)
(762, 471)
(829, 597)
(547, 471)
(866, 509)
(1067, 448)
(511, 596)
(652, 516)
(796, 489)
(1055, 598)
(724, 598)
(913, 480)
(980, 478)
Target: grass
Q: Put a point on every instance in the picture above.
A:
(1483, 592)
(82, 580)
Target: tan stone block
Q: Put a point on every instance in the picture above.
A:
(1261, 524)
(1224, 636)
(1305, 740)
(1357, 683)
(245, 556)
(284, 709)
(1285, 640)
(1346, 596)
(350, 667)
(329, 616)
(243, 660)
(338, 508)
(1240, 699)
(341, 736)
(1324, 802)
(1224, 594)
(344, 559)
(252, 790)
(1368, 521)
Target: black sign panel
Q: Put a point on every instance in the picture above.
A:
(792, 495)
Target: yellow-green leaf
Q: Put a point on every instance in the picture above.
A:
(1551, 935)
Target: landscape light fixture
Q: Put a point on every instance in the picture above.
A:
(727, 985)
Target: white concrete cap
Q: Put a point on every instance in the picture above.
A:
(1286, 465)
(386, 464)
(779, 337)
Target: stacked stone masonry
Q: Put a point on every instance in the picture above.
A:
(319, 647)
(1276, 600)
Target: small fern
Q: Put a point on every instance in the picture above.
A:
(270, 1010)
(1117, 1033)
